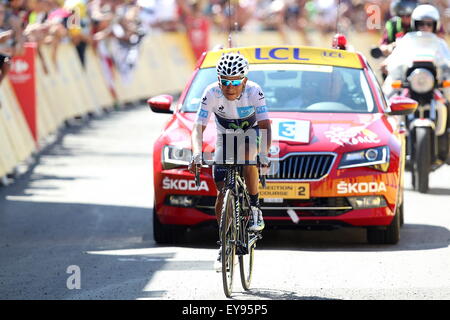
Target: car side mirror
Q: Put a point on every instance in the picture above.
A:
(161, 103)
(402, 106)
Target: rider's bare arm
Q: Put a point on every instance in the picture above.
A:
(266, 136)
(197, 142)
(197, 138)
(387, 48)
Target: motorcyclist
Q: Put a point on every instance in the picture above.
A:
(398, 25)
(426, 19)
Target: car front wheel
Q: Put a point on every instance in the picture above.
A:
(389, 235)
(166, 233)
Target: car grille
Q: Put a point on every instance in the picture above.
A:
(315, 207)
(302, 167)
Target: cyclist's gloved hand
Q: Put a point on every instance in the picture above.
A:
(264, 160)
(264, 164)
(195, 163)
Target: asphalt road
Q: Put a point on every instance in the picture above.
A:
(77, 225)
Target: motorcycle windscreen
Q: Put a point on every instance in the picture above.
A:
(418, 46)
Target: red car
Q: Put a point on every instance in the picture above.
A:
(338, 151)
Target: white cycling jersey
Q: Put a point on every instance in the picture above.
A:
(243, 112)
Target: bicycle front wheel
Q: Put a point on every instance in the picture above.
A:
(246, 267)
(228, 235)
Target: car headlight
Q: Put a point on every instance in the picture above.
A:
(378, 158)
(173, 157)
(421, 80)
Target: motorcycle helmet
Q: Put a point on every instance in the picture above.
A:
(232, 64)
(425, 12)
(403, 7)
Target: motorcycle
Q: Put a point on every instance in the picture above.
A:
(419, 68)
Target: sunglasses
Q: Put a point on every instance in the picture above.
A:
(235, 83)
(425, 24)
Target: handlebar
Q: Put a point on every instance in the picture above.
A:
(262, 177)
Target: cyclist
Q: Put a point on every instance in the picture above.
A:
(236, 103)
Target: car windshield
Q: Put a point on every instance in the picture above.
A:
(299, 88)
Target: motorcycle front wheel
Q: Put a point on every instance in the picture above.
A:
(422, 161)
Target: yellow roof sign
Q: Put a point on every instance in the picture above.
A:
(289, 54)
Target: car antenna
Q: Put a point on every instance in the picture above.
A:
(230, 31)
(338, 16)
(339, 40)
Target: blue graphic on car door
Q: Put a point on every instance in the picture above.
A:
(286, 129)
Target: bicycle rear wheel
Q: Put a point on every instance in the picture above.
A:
(246, 267)
(228, 235)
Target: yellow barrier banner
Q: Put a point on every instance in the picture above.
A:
(24, 132)
(179, 58)
(7, 155)
(50, 87)
(75, 68)
(169, 63)
(154, 75)
(96, 79)
(48, 97)
(12, 130)
(62, 79)
(9, 152)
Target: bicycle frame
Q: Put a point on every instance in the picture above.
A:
(236, 184)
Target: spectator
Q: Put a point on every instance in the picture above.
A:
(11, 39)
(36, 30)
(78, 26)
(271, 14)
(324, 15)
(6, 45)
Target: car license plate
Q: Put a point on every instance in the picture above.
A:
(273, 200)
(285, 191)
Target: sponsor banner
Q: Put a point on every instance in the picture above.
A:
(344, 187)
(198, 35)
(290, 54)
(352, 136)
(183, 185)
(291, 130)
(285, 191)
(22, 76)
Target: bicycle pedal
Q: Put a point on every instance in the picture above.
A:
(241, 250)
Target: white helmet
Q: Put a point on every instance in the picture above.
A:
(232, 64)
(425, 12)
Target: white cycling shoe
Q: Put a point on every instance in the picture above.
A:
(256, 221)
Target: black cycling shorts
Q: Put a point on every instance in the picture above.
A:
(219, 172)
